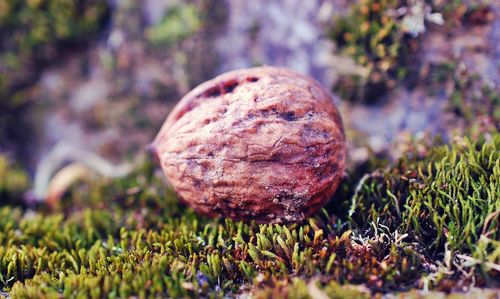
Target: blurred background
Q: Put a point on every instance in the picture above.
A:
(94, 80)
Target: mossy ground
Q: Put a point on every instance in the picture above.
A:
(429, 222)
(380, 36)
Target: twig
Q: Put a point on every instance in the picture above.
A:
(64, 152)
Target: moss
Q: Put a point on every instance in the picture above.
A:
(180, 22)
(14, 180)
(442, 205)
(33, 31)
(372, 37)
(34, 34)
(473, 102)
(416, 225)
(477, 104)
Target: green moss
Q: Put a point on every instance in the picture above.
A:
(373, 35)
(474, 103)
(416, 225)
(180, 22)
(448, 205)
(32, 32)
(373, 39)
(454, 178)
(13, 180)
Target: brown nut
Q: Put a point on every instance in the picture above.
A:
(264, 144)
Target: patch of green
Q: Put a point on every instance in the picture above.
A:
(429, 222)
(442, 205)
(474, 103)
(477, 104)
(372, 37)
(13, 180)
(186, 36)
(181, 21)
(34, 34)
(33, 31)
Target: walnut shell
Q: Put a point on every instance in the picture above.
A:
(264, 144)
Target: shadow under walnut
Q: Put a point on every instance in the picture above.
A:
(264, 144)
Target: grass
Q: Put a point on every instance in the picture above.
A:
(429, 222)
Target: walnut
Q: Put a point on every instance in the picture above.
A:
(264, 144)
